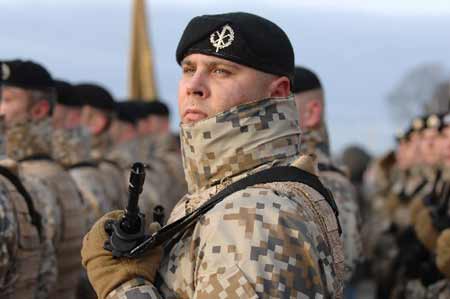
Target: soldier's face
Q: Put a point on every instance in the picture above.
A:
(14, 105)
(210, 85)
(444, 146)
(428, 146)
(65, 117)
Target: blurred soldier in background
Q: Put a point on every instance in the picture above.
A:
(310, 100)
(71, 147)
(97, 115)
(28, 96)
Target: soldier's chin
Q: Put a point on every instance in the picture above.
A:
(191, 118)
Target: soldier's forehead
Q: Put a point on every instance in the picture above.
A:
(202, 58)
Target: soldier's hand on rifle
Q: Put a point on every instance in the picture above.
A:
(106, 272)
(443, 253)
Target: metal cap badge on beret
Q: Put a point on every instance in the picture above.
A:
(418, 124)
(433, 121)
(66, 94)
(240, 37)
(305, 80)
(25, 74)
(400, 135)
(95, 96)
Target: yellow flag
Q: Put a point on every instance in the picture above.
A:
(141, 77)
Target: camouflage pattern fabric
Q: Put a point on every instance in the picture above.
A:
(24, 142)
(315, 142)
(159, 149)
(8, 244)
(158, 183)
(111, 172)
(266, 241)
(71, 148)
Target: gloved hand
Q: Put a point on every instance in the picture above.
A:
(443, 253)
(106, 273)
(415, 207)
(425, 230)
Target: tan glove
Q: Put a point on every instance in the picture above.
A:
(415, 207)
(443, 253)
(106, 273)
(425, 230)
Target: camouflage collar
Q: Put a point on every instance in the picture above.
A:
(239, 140)
(316, 142)
(100, 145)
(28, 138)
(71, 146)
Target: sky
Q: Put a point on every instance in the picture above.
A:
(359, 49)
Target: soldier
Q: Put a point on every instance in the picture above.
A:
(156, 197)
(157, 143)
(310, 100)
(27, 257)
(97, 115)
(28, 96)
(276, 238)
(71, 147)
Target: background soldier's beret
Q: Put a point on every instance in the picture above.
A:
(66, 94)
(94, 95)
(305, 80)
(127, 111)
(242, 38)
(25, 74)
(157, 107)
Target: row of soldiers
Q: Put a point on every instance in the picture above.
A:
(66, 155)
(248, 115)
(410, 225)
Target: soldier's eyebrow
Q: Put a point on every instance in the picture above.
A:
(187, 62)
(220, 63)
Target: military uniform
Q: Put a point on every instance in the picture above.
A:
(27, 256)
(158, 152)
(71, 149)
(316, 142)
(21, 250)
(111, 171)
(29, 143)
(243, 247)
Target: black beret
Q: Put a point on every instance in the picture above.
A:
(95, 96)
(242, 38)
(128, 111)
(157, 107)
(305, 80)
(25, 74)
(66, 94)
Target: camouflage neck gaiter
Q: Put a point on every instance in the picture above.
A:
(316, 142)
(71, 146)
(2, 138)
(239, 140)
(29, 138)
(100, 145)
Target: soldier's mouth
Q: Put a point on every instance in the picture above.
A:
(193, 115)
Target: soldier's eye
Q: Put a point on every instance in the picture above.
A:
(222, 71)
(188, 69)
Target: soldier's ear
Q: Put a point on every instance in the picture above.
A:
(40, 110)
(280, 87)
